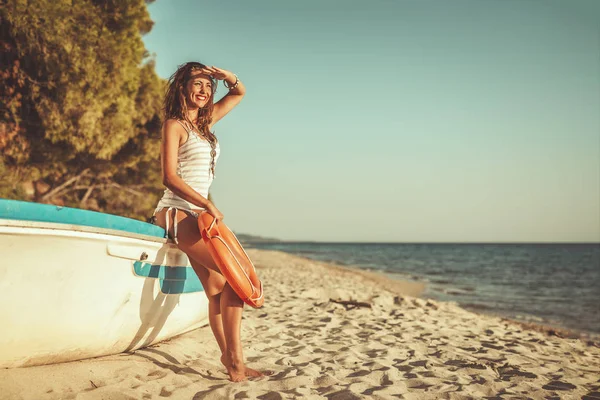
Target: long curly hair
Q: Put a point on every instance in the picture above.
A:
(175, 106)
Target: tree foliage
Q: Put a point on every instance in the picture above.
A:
(79, 105)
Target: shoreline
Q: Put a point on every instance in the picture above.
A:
(332, 332)
(416, 288)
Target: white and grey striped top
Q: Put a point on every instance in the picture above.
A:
(193, 166)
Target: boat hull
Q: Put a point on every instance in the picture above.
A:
(71, 292)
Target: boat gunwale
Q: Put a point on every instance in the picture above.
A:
(19, 223)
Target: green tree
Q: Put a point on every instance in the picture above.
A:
(79, 105)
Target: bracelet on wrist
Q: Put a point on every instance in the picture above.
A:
(231, 87)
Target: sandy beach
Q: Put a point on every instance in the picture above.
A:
(329, 332)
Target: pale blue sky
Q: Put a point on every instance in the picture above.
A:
(401, 121)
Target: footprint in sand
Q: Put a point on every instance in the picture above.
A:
(559, 385)
(492, 345)
(422, 363)
(591, 396)
(508, 371)
(157, 374)
(417, 384)
(477, 379)
(427, 374)
(464, 364)
(358, 373)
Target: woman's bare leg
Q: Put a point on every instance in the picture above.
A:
(213, 283)
(225, 306)
(232, 306)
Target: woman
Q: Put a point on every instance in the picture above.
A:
(189, 151)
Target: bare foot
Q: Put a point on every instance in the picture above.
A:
(255, 373)
(236, 373)
(237, 368)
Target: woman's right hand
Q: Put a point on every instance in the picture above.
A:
(214, 211)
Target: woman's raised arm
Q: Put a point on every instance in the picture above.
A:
(230, 100)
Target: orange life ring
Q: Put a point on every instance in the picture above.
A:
(232, 260)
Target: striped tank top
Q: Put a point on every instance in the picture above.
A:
(193, 166)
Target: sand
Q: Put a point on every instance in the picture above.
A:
(396, 346)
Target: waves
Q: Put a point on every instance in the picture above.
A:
(555, 283)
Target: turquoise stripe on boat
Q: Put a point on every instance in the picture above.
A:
(173, 280)
(27, 211)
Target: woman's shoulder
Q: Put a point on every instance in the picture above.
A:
(174, 128)
(172, 122)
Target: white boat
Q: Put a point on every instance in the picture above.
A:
(76, 284)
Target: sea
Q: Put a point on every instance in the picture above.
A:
(555, 285)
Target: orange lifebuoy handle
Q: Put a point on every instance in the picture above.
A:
(212, 224)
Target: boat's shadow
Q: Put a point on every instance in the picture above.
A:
(154, 311)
